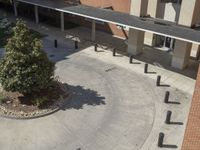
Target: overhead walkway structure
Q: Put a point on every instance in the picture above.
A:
(139, 23)
(156, 26)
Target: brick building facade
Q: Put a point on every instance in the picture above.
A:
(115, 5)
(192, 133)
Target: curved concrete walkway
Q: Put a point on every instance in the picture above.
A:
(115, 106)
(106, 112)
(112, 108)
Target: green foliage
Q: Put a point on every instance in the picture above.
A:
(2, 98)
(5, 1)
(25, 68)
(40, 101)
(5, 31)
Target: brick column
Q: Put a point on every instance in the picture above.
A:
(192, 134)
(136, 38)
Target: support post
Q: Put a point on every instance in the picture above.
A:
(146, 68)
(160, 139)
(93, 30)
(158, 80)
(131, 59)
(136, 37)
(182, 50)
(155, 10)
(168, 117)
(36, 14)
(76, 44)
(15, 8)
(95, 47)
(181, 54)
(172, 44)
(114, 52)
(62, 21)
(198, 53)
(166, 100)
(55, 43)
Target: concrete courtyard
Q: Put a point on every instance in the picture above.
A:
(114, 105)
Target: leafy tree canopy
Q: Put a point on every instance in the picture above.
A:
(25, 68)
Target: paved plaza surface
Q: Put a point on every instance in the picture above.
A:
(111, 108)
(114, 105)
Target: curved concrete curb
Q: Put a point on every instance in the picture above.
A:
(37, 114)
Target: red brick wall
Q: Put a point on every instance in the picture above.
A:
(96, 3)
(117, 5)
(192, 134)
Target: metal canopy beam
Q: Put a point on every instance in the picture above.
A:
(151, 25)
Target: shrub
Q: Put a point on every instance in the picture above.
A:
(40, 101)
(2, 98)
(25, 68)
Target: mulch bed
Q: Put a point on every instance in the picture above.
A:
(27, 104)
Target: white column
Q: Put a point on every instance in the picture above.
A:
(62, 21)
(136, 38)
(181, 54)
(153, 11)
(195, 52)
(198, 54)
(188, 16)
(15, 8)
(149, 39)
(165, 41)
(93, 30)
(135, 42)
(171, 43)
(36, 14)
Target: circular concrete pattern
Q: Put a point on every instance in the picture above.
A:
(110, 109)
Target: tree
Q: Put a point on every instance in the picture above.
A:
(25, 68)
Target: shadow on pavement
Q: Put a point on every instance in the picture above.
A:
(176, 123)
(164, 85)
(81, 97)
(169, 146)
(171, 102)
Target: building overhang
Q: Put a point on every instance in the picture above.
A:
(145, 24)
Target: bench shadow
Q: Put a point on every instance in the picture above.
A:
(169, 146)
(151, 72)
(171, 102)
(81, 96)
(164, 85)
(176, 123)
(118, 55)
(136, 63)
(98, 51)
